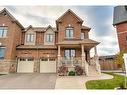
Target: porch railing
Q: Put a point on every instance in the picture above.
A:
(71, 61)
(95, 61)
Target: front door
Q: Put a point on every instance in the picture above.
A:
(69, 53)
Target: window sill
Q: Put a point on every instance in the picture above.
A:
(69, 38)
(3, 37)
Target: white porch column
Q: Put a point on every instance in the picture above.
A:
(59, 57)
(96, 59)
(84, 63)
(83, 56)
(95, 50)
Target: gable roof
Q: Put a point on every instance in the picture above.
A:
(69, 11)
(50, 28)
(40, 29)
(30, 26)
(12, 17)
(85, 27)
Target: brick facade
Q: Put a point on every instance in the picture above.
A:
(122, 35)
(15, 40)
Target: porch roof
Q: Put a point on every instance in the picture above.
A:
(88, 43)
(78, 42)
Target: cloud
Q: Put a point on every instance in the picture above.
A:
(37, 15)
(99, 18)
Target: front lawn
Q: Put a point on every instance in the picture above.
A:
(117, 81)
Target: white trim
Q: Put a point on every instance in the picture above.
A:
(50, 32)
(122, 32)
(30, 31)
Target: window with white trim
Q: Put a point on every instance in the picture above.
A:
(3, 31)
(69, 32)
(49, 37)
(30, 38)
(82, 35)
(2, 52)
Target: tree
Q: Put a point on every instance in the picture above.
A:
(119, 59)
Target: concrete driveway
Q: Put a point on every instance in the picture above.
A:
(28, 81)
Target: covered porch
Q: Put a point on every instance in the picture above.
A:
(76, 53)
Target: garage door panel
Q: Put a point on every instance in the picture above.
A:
(48, 67)
(25, 66)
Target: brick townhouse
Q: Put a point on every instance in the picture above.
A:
(120, 23)
(45, 49)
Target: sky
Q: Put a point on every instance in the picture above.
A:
(98, 18)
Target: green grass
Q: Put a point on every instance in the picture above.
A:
(117, 81)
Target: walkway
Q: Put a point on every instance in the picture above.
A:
(77, 82)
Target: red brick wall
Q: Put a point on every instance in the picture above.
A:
(35, 53)
(13, 36)
(68, 19)
(121, 27)
(39, 38)
(122, 34)
(22, 38)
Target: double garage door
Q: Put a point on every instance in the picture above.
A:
(26, 65)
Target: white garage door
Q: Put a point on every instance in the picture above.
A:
(25, 65)
(48, 65)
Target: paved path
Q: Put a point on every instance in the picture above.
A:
(28, 81)
(77, 82)
(123, 74)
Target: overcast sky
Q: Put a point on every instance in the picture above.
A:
(99, 18)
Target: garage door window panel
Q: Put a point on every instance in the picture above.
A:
(30, 59)
(52, 59)
(44, 59)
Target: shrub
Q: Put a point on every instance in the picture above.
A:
(71, 73)
(62, 71)
(78, 70)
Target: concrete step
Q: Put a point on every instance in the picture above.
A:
(93, 71)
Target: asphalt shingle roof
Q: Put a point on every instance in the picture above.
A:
(120, 14)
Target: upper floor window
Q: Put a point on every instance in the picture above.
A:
(2, 52)
(82, 35)
(3, 31)
(30, 38)
(69, 32)
(49, 37)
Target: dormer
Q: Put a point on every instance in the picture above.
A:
(30, 36)
(49, 36)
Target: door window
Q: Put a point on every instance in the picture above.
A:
(69, 53)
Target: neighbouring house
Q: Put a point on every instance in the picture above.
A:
(45, 49)
(120, 23)
(108, 63)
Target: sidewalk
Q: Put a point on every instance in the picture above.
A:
(77, 82)
(115, 71)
